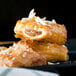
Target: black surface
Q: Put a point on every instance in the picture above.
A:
(61, 69)
(71, 44)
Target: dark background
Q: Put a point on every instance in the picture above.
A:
(12, 10)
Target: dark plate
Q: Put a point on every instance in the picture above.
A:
(63, 68)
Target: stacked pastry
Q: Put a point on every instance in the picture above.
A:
(41, 41)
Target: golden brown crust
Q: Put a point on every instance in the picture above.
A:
(20, 56)
(54, 33)
(48, 50)
(3, 48)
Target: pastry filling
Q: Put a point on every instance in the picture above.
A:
(32, 32)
